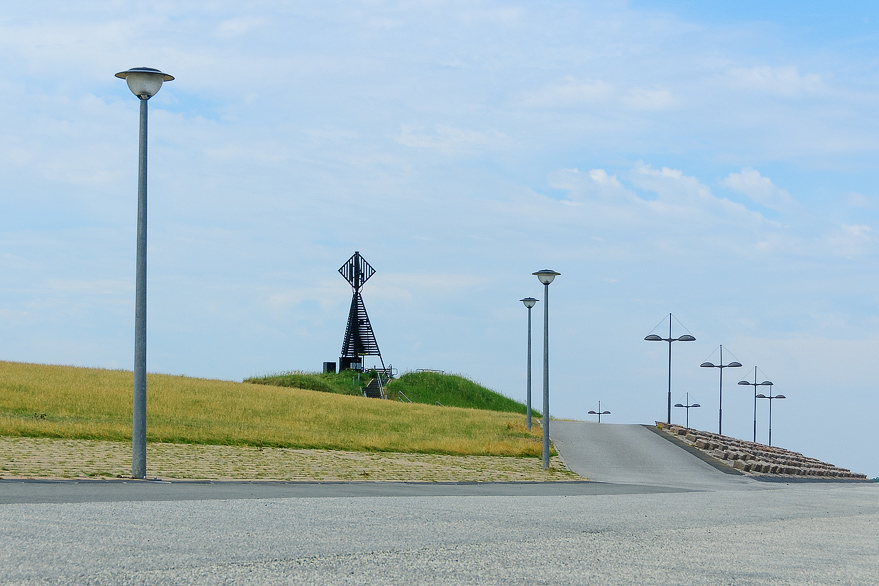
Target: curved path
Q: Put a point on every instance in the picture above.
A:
(633, 454)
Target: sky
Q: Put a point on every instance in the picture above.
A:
(714, 161)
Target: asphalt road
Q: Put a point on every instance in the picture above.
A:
(97, 491)
(398, 533)
(633, 454)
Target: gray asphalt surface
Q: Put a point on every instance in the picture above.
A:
(397, 533)
(95, 491)
(632, 454)
(800, 534)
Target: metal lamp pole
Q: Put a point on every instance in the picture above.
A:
(529, 303)
(656, 338)
(755, 384)
(688, 406)
(721, 366)
(144, 82)
(599, 412)
(546, 277)
(770, 397)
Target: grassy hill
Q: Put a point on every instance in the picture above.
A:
(427, 388)
(340, 383)
(69, 402)
(451, 390)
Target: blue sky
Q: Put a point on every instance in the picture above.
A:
(718, 163)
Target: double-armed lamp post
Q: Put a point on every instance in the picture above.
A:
(720, 366)
(144, 82)
(599, 412)
(755, 384)
(529, 303)
(546, 277)
(657, 338)
(770, 397)
(688, 406)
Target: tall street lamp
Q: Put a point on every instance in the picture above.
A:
(546, 277)
(529, 303)
(144, 82)
(599, 412)
(721, 366)
(688, 406)
(656, 338)
(770, 397)
(755, 384)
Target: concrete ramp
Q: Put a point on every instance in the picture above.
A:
(633, 454)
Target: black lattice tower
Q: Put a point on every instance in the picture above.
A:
(359, 337)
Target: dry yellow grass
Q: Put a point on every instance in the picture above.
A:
(82, 403)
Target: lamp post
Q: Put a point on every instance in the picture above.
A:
(755, 384)
(546, 277)
(688, 406)
(529, 303)
(720, 366)
(144, 82)
(656, 338)
(599, 412)
(770, 397)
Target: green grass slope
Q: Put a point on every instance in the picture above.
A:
(451, 390)
(341, 383)
(428, 388)
(83, 403)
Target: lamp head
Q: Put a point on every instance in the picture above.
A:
(734, 364)
(654, 338)
(761, 396)
(707, 365)
(695, 405)
(779, 397)
(686, 338)
(744, 382)
(144, 82)
(529, 302)
(679, 405)
(546, 276)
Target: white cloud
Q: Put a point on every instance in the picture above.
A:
(572, 92)
(689, 200)
(569, 92)
(679, 207)
(326, 295)
(101, 287)
(263, 154)
(385, 23)
(672, 186)
(777, 243)
(859, 200)
(450, 140)
(506, 16)
(236, 27)
(596, 182)
(783, 81)
(759, 189)
(850, 240)
(650, 99)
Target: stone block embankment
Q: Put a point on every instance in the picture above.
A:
(755, 458)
